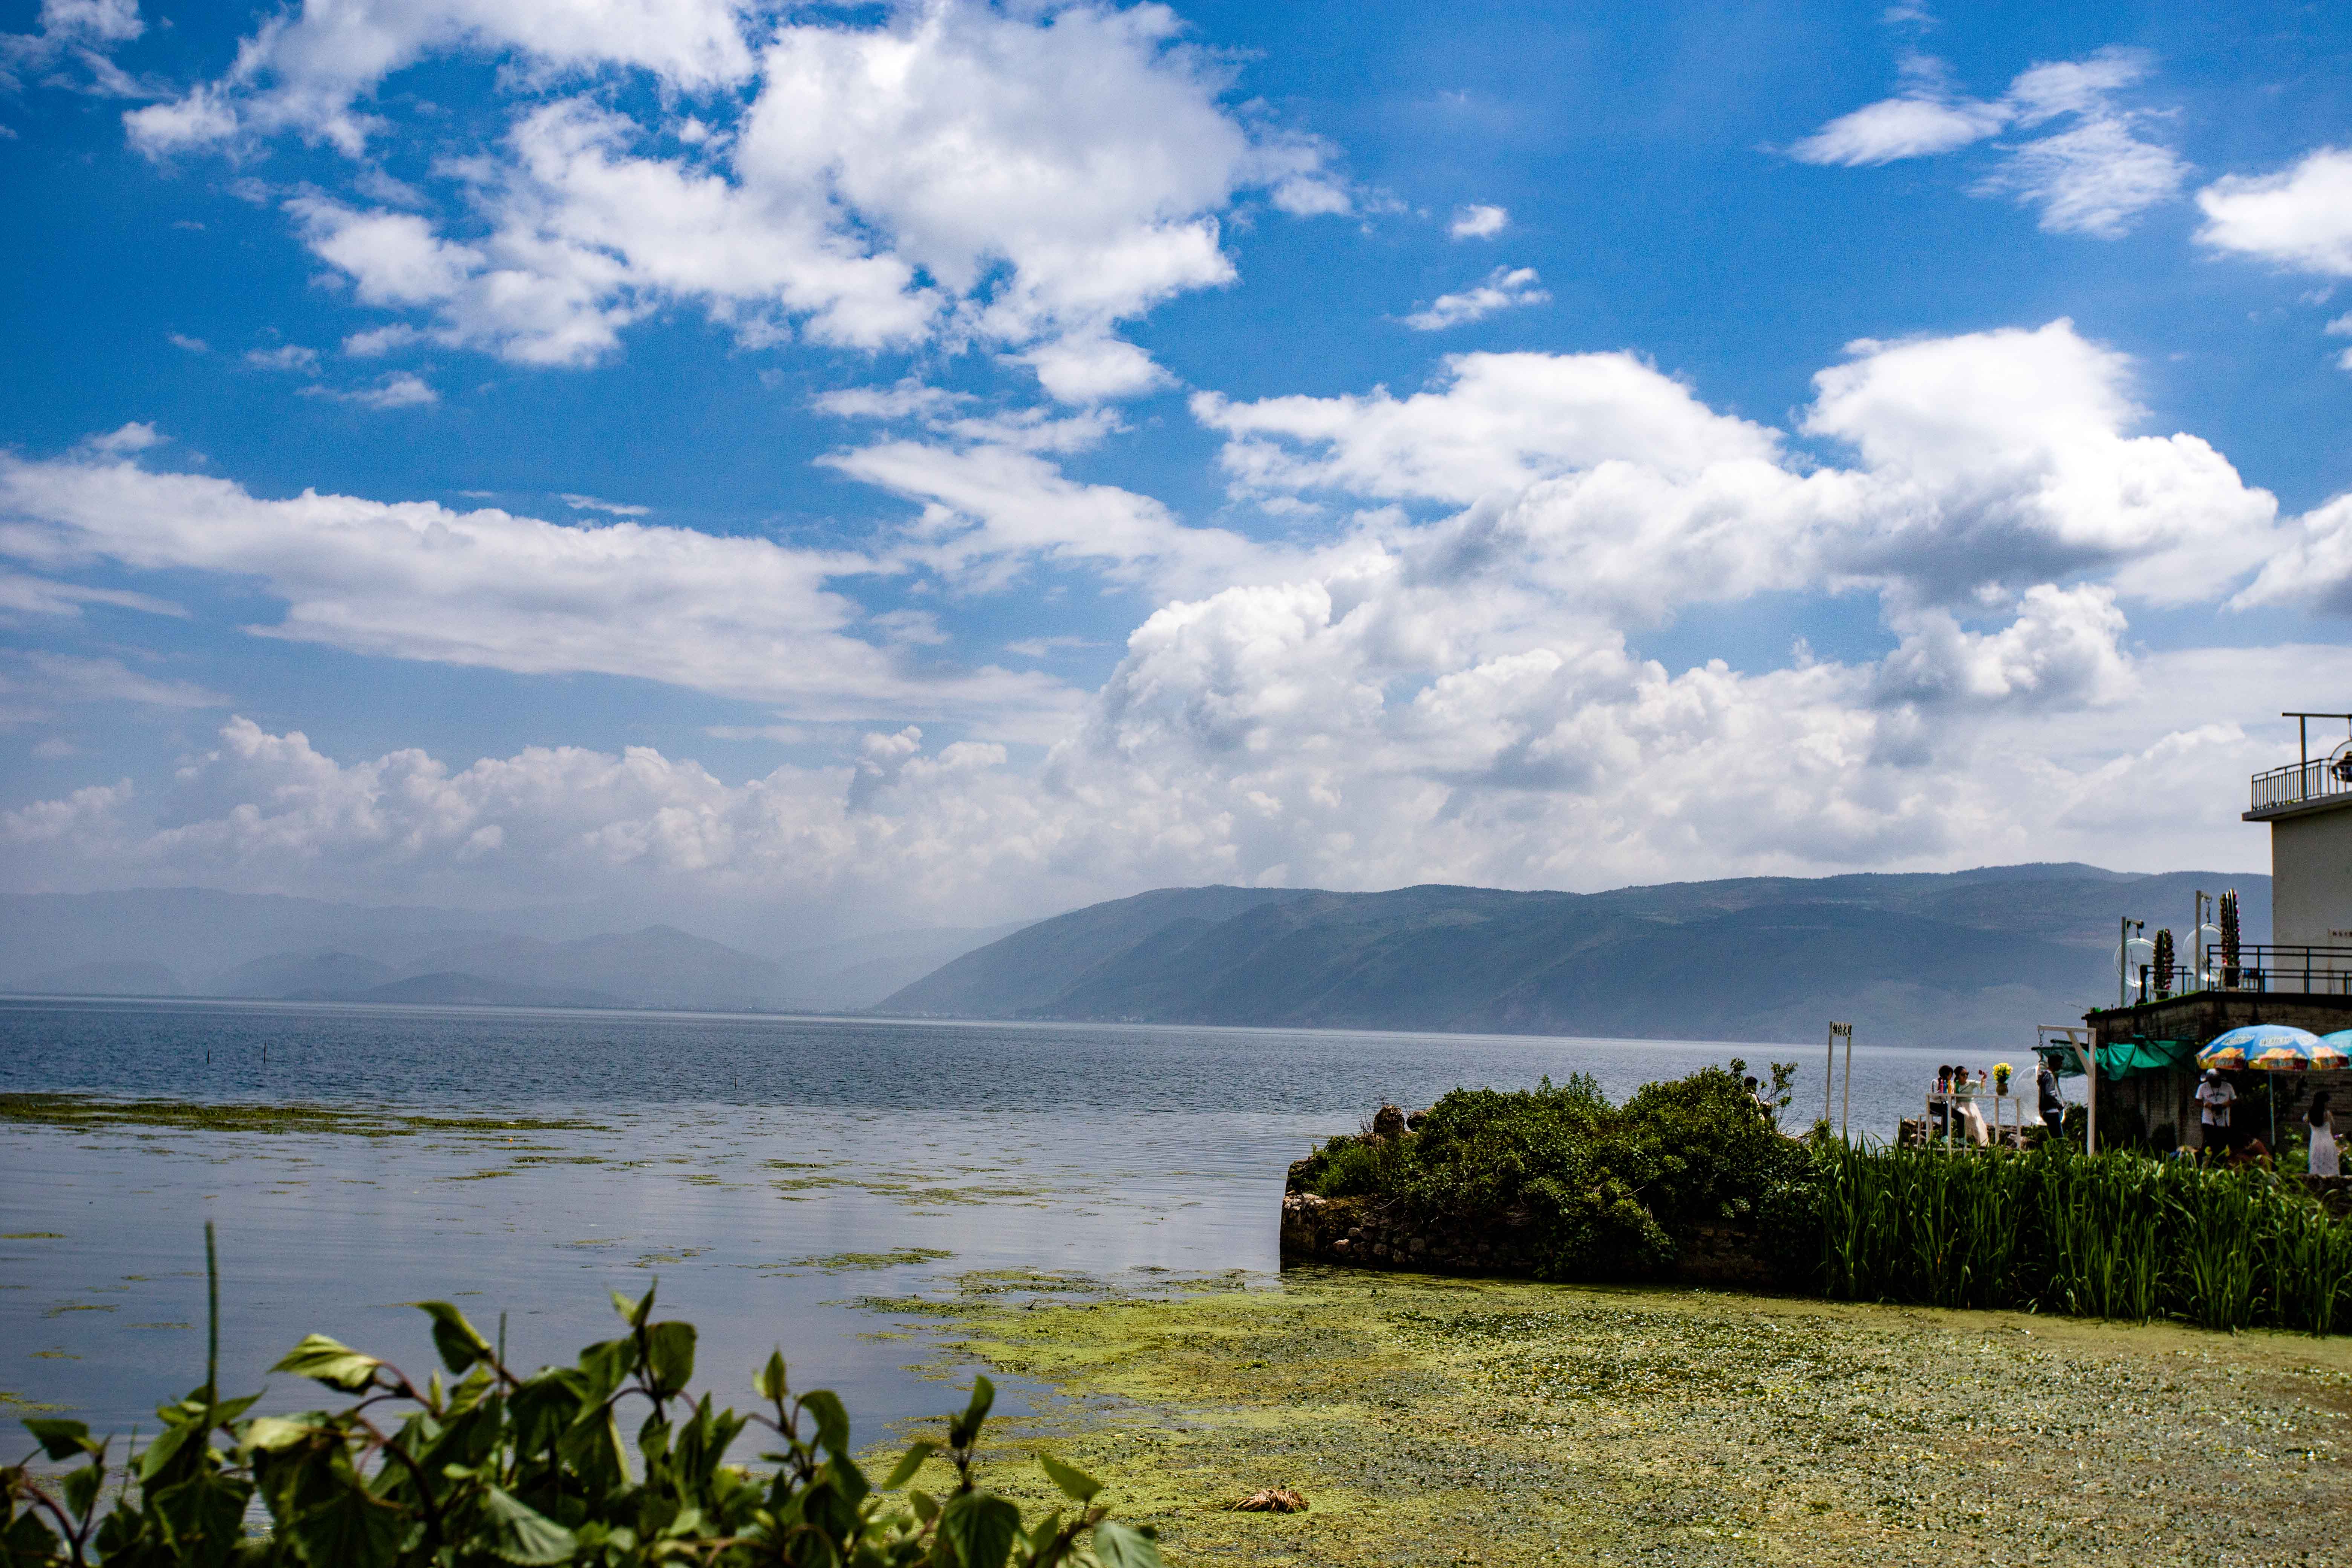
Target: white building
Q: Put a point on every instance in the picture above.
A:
(2308, 805)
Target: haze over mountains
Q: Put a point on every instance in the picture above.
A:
(198, 942)
(1963, 958)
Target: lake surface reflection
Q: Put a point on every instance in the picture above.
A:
(773, 1172)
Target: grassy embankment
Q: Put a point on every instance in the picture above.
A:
(1435, 1420)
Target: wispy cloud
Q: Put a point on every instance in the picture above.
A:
(288, 356)
(399, 389)
(2092, 178)
(1506, 288)
(614, 508)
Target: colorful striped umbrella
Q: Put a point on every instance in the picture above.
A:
(2244, 1047)
(2332, 1053)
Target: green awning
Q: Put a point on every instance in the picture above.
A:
(2122, 1059)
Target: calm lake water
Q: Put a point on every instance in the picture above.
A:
(764, 1168)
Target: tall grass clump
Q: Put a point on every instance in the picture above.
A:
(2112, 1236)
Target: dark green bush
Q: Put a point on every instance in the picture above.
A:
(1607, 1191)
(507, 1468)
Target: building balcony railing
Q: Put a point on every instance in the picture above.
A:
(2298, 783)
(2261, 966)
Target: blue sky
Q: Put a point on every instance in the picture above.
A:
(796, 469)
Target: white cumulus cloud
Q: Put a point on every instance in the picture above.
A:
(2298, 217)
(1446, 686)
(954, 173)
(1478, 221)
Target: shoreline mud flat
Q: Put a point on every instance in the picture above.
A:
(1449, 1420)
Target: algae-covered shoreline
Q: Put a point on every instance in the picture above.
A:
(1433, 1420)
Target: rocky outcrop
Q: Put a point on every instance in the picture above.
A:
(1356, 1233)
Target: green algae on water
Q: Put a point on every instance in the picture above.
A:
(205, 1116)
(1449, 1420)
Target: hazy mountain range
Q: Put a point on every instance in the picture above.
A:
(198, 942)
(1960, 958)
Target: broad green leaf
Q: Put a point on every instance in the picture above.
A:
(206, 1516)
(909, 1463)
(769, 1382)
(1120, 1545)
(669, 1356)
(165, 1447)
(1042, 1536)
(331, 1362)
(62, 1439)
(513, 1532)
(29, 1539)
(927, 1507)
(832, 1421)
(606, 1362)
(228, 1410)
(1075, 1484)
(351, 1528)
(847, 1479)
(635, 1313)
(81, 1488)
(979, 1528)
(593, 1447)
(544, 1405)
(268, 1433)
(460, 1343)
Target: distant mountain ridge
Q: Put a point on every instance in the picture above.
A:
(1926, 958)
(168, 941)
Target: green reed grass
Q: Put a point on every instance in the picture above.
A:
(2115, 1236)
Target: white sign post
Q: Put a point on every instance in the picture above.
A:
(1844, 1032)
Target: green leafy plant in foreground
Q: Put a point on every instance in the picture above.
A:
(506, 1469)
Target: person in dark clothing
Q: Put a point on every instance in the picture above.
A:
(2053, 1106)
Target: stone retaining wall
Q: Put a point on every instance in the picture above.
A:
(1355, 1233)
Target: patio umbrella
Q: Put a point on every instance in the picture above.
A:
(2284, 1055)
(2238, 1048)
(2332, 1053)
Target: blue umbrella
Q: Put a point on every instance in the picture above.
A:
(2333, 1052)
(2237, 1048)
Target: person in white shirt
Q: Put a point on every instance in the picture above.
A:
(2215, 1096)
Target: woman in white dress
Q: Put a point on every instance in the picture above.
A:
(2325, 1161)
(1964, 1093)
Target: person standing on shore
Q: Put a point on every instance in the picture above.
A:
(2215, 1096)
(2054, 1104)
(2325, 1161)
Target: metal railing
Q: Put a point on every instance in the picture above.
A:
(2298, 782)
(2261, 966)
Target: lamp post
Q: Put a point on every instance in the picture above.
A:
(2123, 961)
